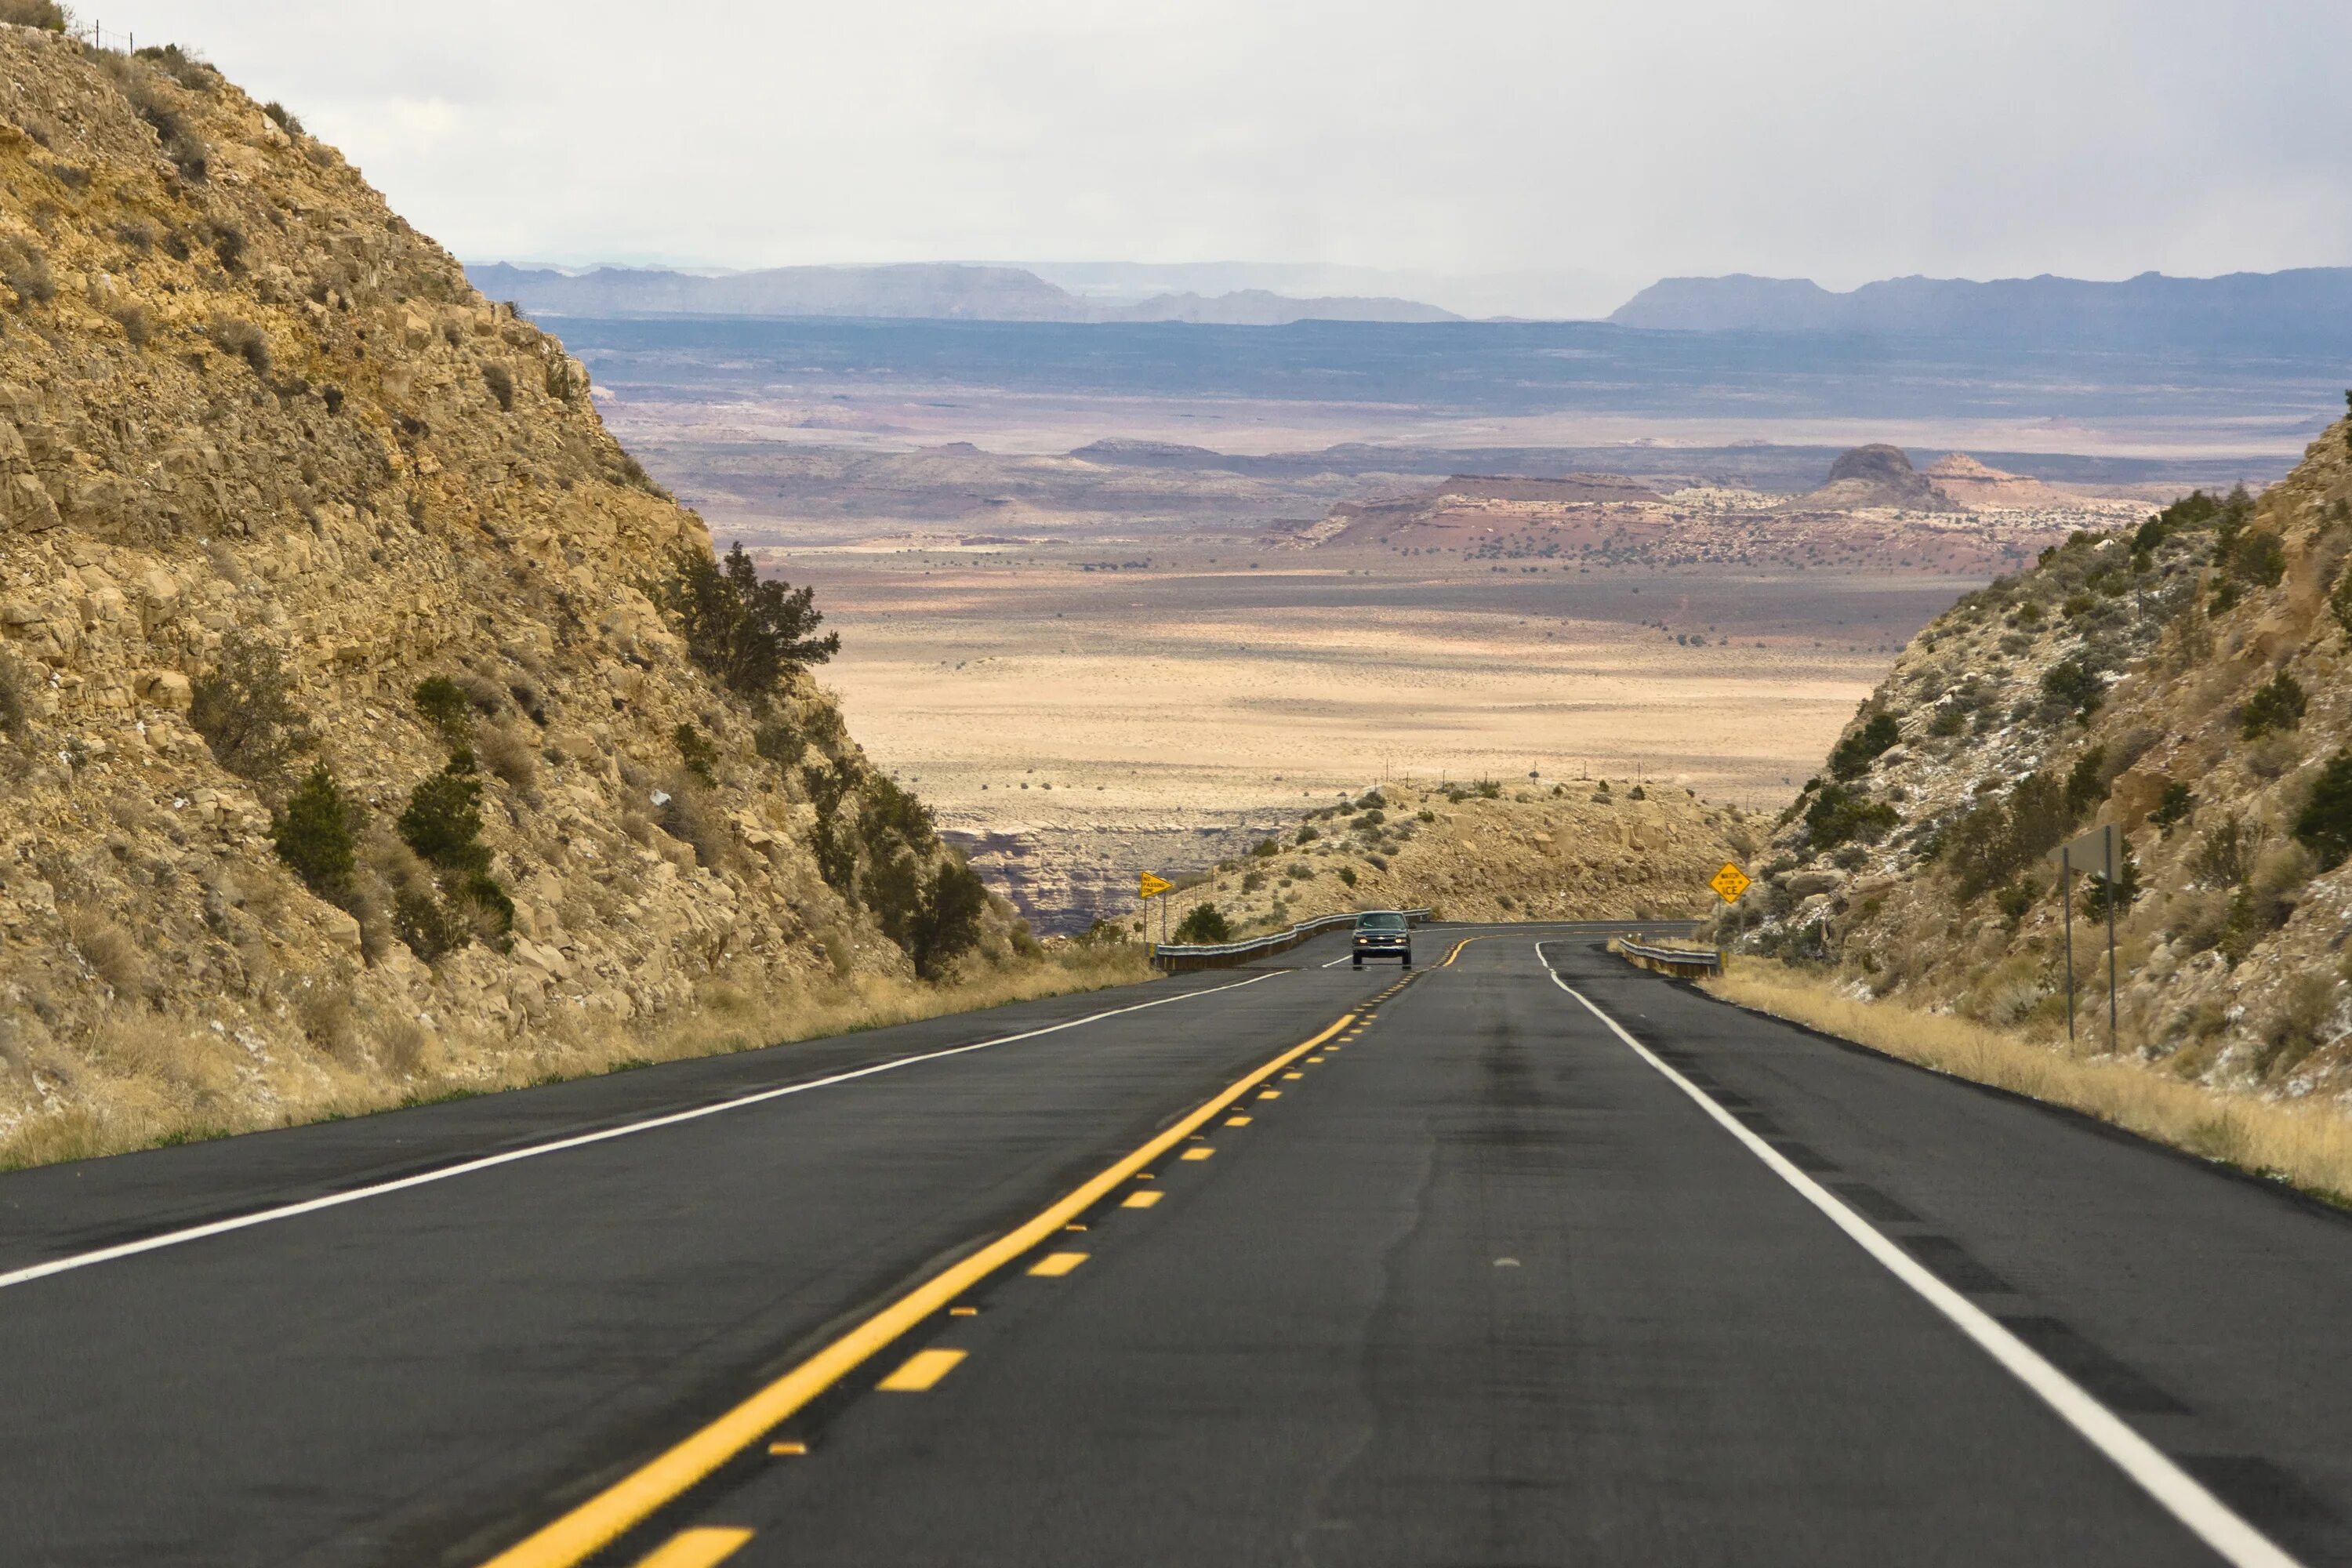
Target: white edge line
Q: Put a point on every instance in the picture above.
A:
(466, 1168)
(2178, 1493)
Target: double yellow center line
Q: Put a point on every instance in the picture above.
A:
(589, 1528)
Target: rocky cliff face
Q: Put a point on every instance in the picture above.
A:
(267, 463)
(2184, 680)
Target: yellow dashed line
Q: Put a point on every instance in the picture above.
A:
(578, 1534)
(1140, 1199)
(1054, 1264)
(1270, 1094)
(1237, 1121)
(921, 1372)
(698, 1548)
(1198, 1153)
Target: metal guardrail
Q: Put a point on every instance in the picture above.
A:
(1178, 959)
(1686, 963)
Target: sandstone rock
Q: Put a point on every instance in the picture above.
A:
(165, 689)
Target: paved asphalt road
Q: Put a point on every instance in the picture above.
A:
(1484, 1282)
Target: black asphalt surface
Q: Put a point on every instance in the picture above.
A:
(1481, 1286)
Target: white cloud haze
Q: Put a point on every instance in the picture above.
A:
(1836, 139)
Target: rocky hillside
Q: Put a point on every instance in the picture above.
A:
(367, 717)
(1585, 850)
(2184, 679)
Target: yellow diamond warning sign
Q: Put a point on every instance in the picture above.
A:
(1150, 887)
(1729, 882)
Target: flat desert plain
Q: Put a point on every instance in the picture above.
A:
(1067, 712)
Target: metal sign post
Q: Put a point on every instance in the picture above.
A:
(2101, 853)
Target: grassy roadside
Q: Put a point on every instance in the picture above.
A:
(150, 1080)
(2307, 1145)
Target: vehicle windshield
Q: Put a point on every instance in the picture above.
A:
(1379, 923)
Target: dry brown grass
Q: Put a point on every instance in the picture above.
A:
(2307, 1145)
(146, 1080)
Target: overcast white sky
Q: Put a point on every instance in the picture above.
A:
(1841, 139)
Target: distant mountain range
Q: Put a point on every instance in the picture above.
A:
(928, 290)
(2292, 312)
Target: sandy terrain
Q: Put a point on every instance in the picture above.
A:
(1081, 724)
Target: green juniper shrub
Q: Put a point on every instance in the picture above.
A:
(46, 15)
(2323, 826)
(285, 116)
(779, 743)
(694, 749)
(422, 926)
(2125, 892)
(2224, 854)
(1203, 923)
(1853, 756)
(2256, 558)
(748, 633)
(2086, 784)
(317, 835)
(2339, 602)
(1347, 875)
(1266, 849)
(1995, 839)
(1842, 816)
(2072, 688)
(945, 920)
(1489, 789)
(443, 821)
(243, 708)
(441, 703)
(1306, 835)
(2172, 808)
(2277, 704)
(2015, 901)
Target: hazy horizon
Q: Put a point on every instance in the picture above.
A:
(1834, 140)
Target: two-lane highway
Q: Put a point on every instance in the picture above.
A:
(1527, 1258)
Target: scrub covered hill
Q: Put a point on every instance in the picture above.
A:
(370, 724)
(2184, 679)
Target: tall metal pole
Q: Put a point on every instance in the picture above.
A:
(2112, 896)
(2066, 903)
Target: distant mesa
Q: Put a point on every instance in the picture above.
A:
(1975, 484)
(1877, 475)
(2300, 312)
(913, 290)
(1133, 454)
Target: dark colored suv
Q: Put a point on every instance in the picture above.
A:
(1383, 934)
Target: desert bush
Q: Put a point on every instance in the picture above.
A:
(508, 757)
(24, 267)
(1852, 756)
(2072, 688)
(188, 152)
(695, 750)
(245, 341)
(1306, 835)
(43, 14)
(2277, 704)
(137, 327)
(109, 951)
(2124, 892)
(325, 1015)
(443, 821)
(780, 743)
(2323, 826)
(285, 119)
(16, 707)
(2254, 557)
(500, 380)
(1205, 923)
(1266, 849)
(1252, 881)
(2172, 806)
(441, 703)
(945, 920)
(688, 817)
(1839, 815)
(2292, 1031)
(1995, 840)
(748, 633)
(1348, 874)
(243, 708)
(2086, 784)
(2224, 855)
(1488, 789)
(183, 65)
(317, 835)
